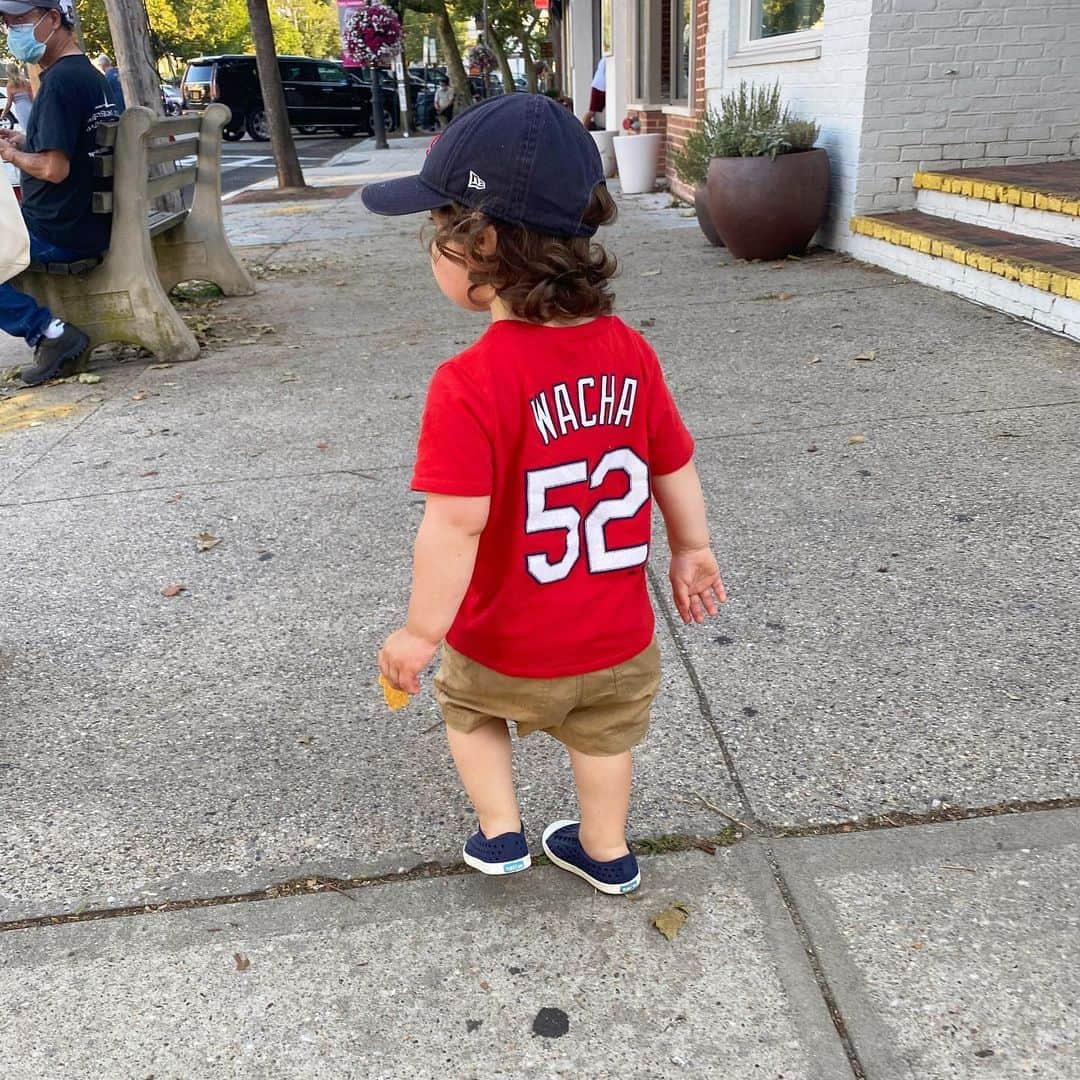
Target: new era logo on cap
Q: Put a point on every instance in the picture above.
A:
(476, 182)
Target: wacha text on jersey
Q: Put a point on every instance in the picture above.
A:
(591, 402)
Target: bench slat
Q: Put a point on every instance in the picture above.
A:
(79, 267)
(172, 151)
(162, 221)
(175, 125)
(102, 202)
(106, 134)
(161, 185)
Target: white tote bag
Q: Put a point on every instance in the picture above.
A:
(14, 239)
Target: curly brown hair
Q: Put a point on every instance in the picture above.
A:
(541, 278)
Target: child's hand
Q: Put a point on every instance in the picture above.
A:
(402, 658)
(695, 584)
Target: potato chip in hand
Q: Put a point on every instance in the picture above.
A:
(395, 699)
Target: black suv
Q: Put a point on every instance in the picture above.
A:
(318, 94)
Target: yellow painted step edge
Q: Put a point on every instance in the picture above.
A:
(1009, 194)
(1049, 279)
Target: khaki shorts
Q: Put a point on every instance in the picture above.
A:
(600, 713)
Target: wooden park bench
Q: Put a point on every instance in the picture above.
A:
(124, 295)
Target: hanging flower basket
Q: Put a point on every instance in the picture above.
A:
(370, 33)
(481, 57)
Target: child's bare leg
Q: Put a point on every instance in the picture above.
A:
(483, 760)
(603, 785)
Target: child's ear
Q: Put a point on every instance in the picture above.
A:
(487, 241)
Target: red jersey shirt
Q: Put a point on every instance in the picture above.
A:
(562, 427)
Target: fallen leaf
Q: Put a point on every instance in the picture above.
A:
(856, 440)
(485, 986)
(395, 699)
(322, 445)
(647, 323)
(205, 541)
(140, 396)
(650, 273)
(784, 296)
(175, 498)
(88, 378)
(867, 355)
(811, 449)
(1005, 435)
(149, 472)
(305, 740)
(918, 946)
(173, 590)
(670, 921)
(339, 284)
(814, 360)
(242, 962)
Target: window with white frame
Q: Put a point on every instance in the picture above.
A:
(779, 30)
(664, 51)
(774, 18)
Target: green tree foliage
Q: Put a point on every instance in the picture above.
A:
(186, 28)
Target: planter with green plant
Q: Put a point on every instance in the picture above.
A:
(691, 164)
(767, 185)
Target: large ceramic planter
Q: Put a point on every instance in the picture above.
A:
(704, 216)
(766, 208)
(605, 144)
(638, 157)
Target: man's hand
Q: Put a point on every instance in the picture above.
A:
(15, 138)
(696, 586)
(403, 656)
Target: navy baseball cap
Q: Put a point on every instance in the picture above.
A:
(520, 158)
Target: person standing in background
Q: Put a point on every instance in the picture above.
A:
(597, 97)
(112, 77)
(20, 96)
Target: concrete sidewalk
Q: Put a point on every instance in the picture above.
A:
(898, 652)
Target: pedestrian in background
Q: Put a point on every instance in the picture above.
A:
(19, 96)
(112, 76)
(444, 102)
(541, 448)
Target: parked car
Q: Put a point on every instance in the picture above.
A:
(318, 94)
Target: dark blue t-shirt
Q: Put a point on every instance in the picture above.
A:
(72, 102)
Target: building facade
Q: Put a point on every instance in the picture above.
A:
(901, 88)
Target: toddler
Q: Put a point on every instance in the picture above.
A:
(541, 448)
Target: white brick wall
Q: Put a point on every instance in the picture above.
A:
(958, 83)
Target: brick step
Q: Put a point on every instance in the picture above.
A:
(1040, 201)
(1037, 280)
(1053, 186)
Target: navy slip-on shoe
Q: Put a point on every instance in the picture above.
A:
(563, 848)
(505, 854)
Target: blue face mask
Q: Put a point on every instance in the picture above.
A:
(23, 45)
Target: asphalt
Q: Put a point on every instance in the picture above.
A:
(861, 781)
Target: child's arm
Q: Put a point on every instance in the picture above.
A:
(443, 562)
(695, 578)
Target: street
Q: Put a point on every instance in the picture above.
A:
(246, 162)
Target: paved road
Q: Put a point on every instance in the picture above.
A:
(245, 162)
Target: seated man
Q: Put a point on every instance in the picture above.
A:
(57, 171)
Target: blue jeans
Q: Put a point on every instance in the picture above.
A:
(21, 315)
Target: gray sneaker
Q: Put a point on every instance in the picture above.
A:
(51, 354)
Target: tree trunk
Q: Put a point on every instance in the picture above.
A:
(455, 69)
(495, 39)
(516, 26)
(289, 173)
(134, 54)
(139, 79)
